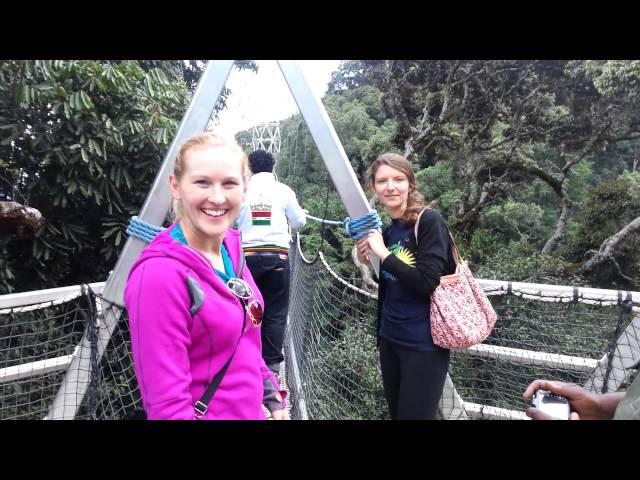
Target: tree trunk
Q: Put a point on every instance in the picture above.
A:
(561, 226)
(608, 248)
(408, 148)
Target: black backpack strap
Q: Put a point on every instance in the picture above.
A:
(201, 406)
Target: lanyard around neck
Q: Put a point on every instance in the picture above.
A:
(228, 266)
(178, 235)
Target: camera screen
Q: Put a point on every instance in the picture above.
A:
(555, 406)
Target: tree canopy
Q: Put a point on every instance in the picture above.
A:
(511, 152)
(534, 164)
(81, 141)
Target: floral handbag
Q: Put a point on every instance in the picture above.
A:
(461, 314)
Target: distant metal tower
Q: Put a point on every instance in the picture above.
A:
(266, 136)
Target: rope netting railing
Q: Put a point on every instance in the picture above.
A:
(331, 361)
(532, 339)
(539, 334)
(37, 345)
(330, 349)
(113, 392)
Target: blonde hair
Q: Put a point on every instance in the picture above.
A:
(415, 200)
(205, 140)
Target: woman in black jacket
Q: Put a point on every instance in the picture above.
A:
(413, 368)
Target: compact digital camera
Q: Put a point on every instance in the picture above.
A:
(553, 405)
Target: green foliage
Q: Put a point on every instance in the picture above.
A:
(580, 177)
(244, 140)
(345, 381)
(482, 244)
(438, 185)
(363, 129)
(615, 78)
(474, 153)
(82, 142)
(607, 208)
(87, 139)
(514, 219)
(522, 262)
(632, 181)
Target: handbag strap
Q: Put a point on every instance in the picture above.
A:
(456, 255)
(202, 405)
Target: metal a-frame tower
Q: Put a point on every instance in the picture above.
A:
(158, 201)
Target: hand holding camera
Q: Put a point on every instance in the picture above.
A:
(582, 404)
(552, 405)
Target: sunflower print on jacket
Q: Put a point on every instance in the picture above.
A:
(404, 254)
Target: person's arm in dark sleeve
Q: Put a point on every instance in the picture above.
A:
(431, 258)
(381, 293)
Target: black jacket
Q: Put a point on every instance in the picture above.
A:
(434, 258)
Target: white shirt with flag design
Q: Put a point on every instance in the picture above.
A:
(269, 208)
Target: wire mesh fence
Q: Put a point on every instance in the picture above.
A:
(331, 360)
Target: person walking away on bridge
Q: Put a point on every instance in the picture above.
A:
(270, 208)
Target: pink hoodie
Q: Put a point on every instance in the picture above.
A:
(176, 355)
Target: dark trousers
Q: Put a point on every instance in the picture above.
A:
(271, 274)
(412, 380)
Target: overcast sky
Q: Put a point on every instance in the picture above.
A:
(265, 96)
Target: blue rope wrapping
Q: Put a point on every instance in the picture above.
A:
(144, 231)
(358, 228)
